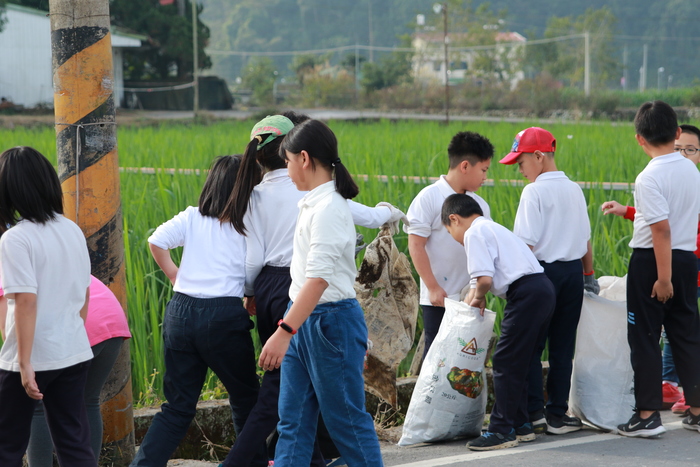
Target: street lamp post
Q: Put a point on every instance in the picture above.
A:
(659, 77)
(442, 8)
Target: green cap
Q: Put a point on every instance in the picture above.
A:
(273, 126)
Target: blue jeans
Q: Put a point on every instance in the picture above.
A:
(322, 370)
(199, 334)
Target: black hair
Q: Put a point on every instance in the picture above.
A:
(295, 117)
(29, 187)
(213, 201)
(314, 137)
(691, 130)
(470, 146)
(656, 122)
(461, 205)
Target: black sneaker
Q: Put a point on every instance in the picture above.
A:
(691, 422)
(490, 441)
(637, 427)
(525, 433)
(560, 425)
(538, 422)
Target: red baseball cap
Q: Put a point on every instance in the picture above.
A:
(530, 140)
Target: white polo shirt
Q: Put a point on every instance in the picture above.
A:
(213, 257)
(324, 244)
(496, 252)
(272, 215)
(553, 218)
(667, 189)
(447, 257)
(49, 260)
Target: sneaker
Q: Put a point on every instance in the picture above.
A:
(671, 395)
(336, 463)
(680, 407)
(691, 422)
(490, 441)
(647, 428)
(560, 425)
(538, 422)
(525, 433)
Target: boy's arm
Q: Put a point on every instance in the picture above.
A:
(483, 285)
(587, 259)
(416, 248)
(163, 259)
(661, 239)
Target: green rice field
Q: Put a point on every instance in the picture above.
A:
(596, 152)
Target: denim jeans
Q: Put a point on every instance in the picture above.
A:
(200, 334)
(668, 368)
(322, 370)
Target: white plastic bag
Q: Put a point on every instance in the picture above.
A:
(602, 381)
(449, 399)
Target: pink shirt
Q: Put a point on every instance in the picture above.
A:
(105, 319)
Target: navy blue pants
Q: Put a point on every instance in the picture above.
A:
(530, 302)
(567, 278)
(679, 317)
(63, 391)
(201, 333)
(432, 318)
(271, 301)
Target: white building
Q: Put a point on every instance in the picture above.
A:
(26, 77)
(429, 58)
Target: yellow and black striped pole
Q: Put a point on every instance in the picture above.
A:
(89, 171)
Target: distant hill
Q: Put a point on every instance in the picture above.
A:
(282, 25)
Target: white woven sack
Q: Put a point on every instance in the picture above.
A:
(602, 381)
(449, 398)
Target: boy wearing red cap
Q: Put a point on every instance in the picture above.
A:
(552, 219)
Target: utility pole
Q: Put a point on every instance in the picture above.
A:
(371, 36)
(195, 59)
(88, 167)
(587, 64)
(643, 71)
(625, 71)
(442, 8)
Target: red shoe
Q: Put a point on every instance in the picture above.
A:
(680, 407)
(671, 395)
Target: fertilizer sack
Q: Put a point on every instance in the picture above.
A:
(602, 380)
(450, 396)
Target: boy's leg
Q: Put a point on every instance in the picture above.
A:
(528, 310)
(15, 419)
(64, 403)
(644, 320)
(682, 323)
(185, 372)
(567, 278)
(668, 372)
(337, 350)
(432, 317)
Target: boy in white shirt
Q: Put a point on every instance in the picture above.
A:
(552, 219)
(661, 287)
(497, 260)
(438, 260)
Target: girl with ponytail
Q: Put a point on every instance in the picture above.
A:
(323, 336)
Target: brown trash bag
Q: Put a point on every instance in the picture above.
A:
(388, 295)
